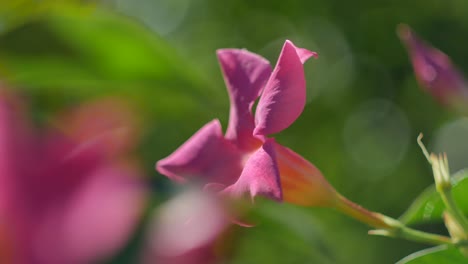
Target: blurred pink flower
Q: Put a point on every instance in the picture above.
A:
(66, 196)
(245, 160)
(434, 70)
(187, 230)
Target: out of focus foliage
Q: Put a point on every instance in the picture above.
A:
(359, 127)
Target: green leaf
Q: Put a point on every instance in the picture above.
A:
(107, 45)
(435, 255)
(92, 52)
(429, 207)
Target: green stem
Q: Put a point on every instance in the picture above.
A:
(361, 214)
(387, 226)
(407, 233)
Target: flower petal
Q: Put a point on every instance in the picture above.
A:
(16, 148)
(245, 74)
(14, 154)
(206, 155)
(106, 124)
(8, 154)
(6, 248)
(260, 175)
(284, 96)
(185, 229)
(302, 183)
(433, 69)
(97, 220)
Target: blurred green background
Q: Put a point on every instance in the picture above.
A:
(359, 126)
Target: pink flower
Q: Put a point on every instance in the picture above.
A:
(187, 230)
(434, 69)
(245, 159)
(65, 196)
